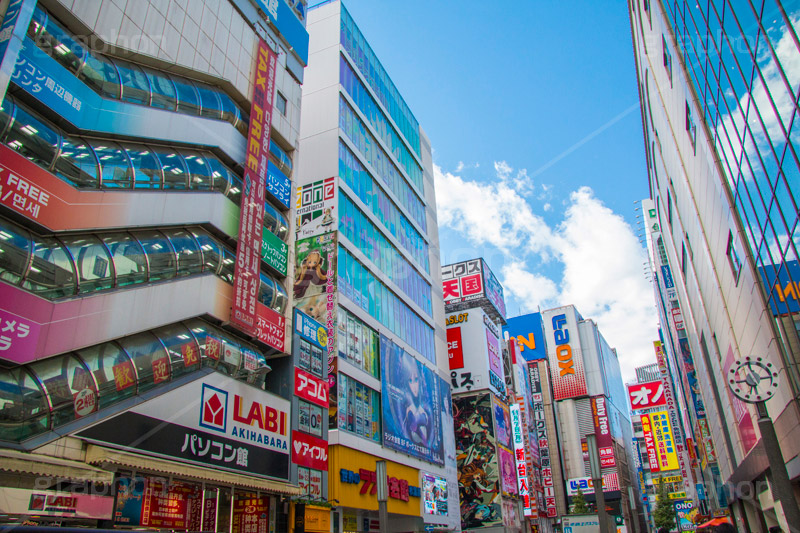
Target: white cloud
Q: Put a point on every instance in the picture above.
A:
(601, 257)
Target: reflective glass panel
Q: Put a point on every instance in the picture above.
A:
(209, 101)
(32, 138)
(228, 263)
(175, 172)
(150, 359)
(51, 275)
(92, 262)
(183, 351)
(188, 100)
(147, 167)
(59, 44)
(14, 252)
(114, 165)
(200, 177)
(163, 91)
(266, 293)
(189, 258)
(129, 262)
(135, 86)
(76, 164)
(23, 407)
(210, 249)
(230, 112)
(113, 372)
(160, 256)
(281, 298)
(65, 378)
(220, 174)
(101, 76)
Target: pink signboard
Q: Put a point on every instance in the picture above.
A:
(271, 329)
(744, 422)
(246, 278)
(18, 336)
(51, 503)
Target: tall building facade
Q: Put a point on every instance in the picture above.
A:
(367, 267)
(146, 156)
(717, 84)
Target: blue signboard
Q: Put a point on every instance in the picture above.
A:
(529, 334)
(310, 329)
(278, 185)
(667, 275)
(783, 284)
(12, 32)
(410, 396)
(281, 15)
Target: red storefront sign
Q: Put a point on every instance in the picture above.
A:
(455, 351)
(647, 395)
(650, 443)
(310, 388)
(309, 451)
(271, 327)
(246, 278)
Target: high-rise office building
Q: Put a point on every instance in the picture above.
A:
(718, 84)
(367, 267)
(146, 149)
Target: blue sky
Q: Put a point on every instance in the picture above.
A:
(532, 111)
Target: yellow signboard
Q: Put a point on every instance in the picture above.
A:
(667, 479)
(677, 495)
(317, 518)
(664, 441)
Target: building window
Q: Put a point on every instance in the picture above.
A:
(683, 259)
(667, 58)
(733, 258)
(691, 128)
(280, 103)
(669, 207)
(688, 246)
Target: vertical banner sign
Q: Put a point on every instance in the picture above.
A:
(519, 458)
(605, 444)
(564, 352)
(540, 423)
(672, 410)
(246, 278)
(665, 443)
(650, 444)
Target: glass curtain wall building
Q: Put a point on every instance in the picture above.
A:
(125, 174)
(367, 266)
(718, 84)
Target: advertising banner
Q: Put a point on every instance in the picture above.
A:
(476, 449)
(529, 334)
(310, 329)
(317, 208)
(543, 441)
(309, 451)
(455, 349)
(650, 444)
(564, 353)
(250, 513)
(482, 366)
(522, 478)
(610, 483)
(16, 20)
(508, 471)
(502, 423)
(434, 495)
(664, 441)
(707, 443)
(690, 379)
(685, 512)
(51, 503)
(410, 398)
(222, 423)
(605, 443)
(274, 252)
(311, 388)
(271, 327)
(493, 289)
(246, 277)
(646, 395)
(783, 283)
(463, 281)
(150, 501)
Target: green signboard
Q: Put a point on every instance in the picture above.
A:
(274, 251)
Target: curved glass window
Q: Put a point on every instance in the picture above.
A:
(228, 263)
(115, 168)
(182, 349)
(113, 373)
(160, 256)
(266, 293)
(210, 249)
(6, 112)
(163, 93)
(64, 378)
(32, 138)
(95, 272)
(188, 99)
(282, 160)
(15, 249)
(76, 164)
(150, 359)
(130, 265)
(200, 177)
(235, 189)
(281, 299)
(60, 45)
(146, 166)
(210, 104)
(230, 112)
(221, 176)
(275, 222)
(135, 85)
(174, 168)
(51, 274)
(23, 406)
(38, 22)
(190, 261)
(101, 76)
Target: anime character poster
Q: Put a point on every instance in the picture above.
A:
(502, 421)
(508, 470)
(478, 474)
(410, 396)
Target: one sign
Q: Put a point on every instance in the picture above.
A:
(605, 443)
(246, 277)
(274, 251)
(523, 479)
(271, 327)
(529, 334)
(434, 495)
(482, 366)
(51, 503)
(564, 353)
(15, 24)
(664, 441)
(310, 388)
(646, 395)
(783, 283)
(316, 208)
(472, 284)
(667, 479)
(677, 318)
(585, 485)
(455, 348)
(221, 422)
(309, 451)
(541, 437)
(310, 329)
(650, 444)
(18, 336)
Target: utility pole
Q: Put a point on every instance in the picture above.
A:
(383, 495)
(597, 481)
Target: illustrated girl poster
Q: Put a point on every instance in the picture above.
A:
(502, 420)
(411, 417)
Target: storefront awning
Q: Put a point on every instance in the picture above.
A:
(43, 465)
(98, 455)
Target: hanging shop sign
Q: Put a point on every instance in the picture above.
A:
(564, 353)
(646, 395)
(605, 443)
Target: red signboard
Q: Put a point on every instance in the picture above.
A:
(250, 514)
(605, 444)
(311, 388)
(455, 351)
(647, 395)
(650, 443)
(246, 278)
(309, 451)
(271, 328)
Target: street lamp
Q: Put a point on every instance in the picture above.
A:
(597, 481)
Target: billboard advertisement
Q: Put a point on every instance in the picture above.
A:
(316, 208)
(410, 398)
(274, 252)
(564, 353)
(664, 441)
(502, 423)
(650, 444)
(605, 443)
(527, 330)
(585, 485)
(476, 449)
(434, 495)
(472, 284)
(783, 283)
(222, 423)
(522, 478)
(474, 352)
(690, 378)
(646, 395)
(247, 272)
(508, 471)
(51, 503)
(542, 440)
